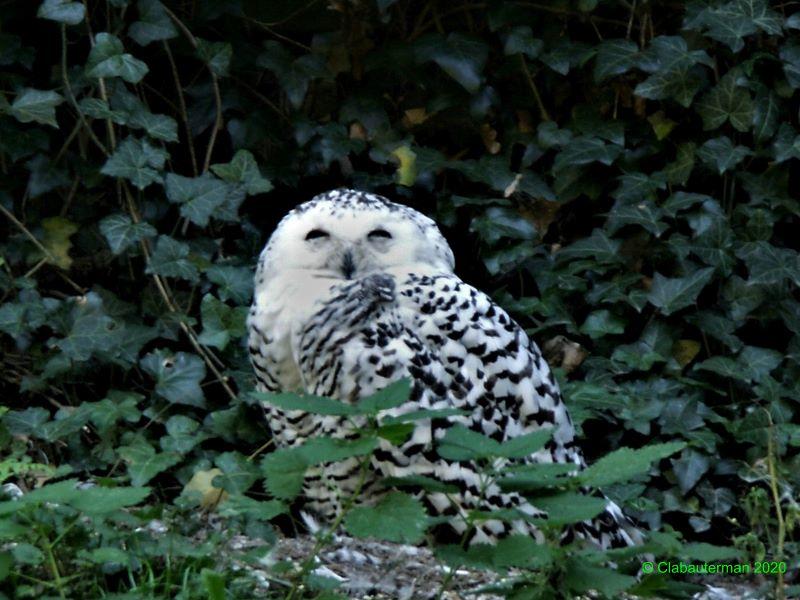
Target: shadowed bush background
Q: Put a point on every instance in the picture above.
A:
(620, 173)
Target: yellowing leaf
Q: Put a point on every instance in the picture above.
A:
(407, 171)
(57, 231)
(684, 351)
(662, 126)
(210, 496)
(414, 116)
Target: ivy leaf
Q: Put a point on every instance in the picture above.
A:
(673, 68)
(243, 170)
(217, 55)
(199, 196)
(108, 59)
(143, 461)
(765, 116)
(625, 463)
(221, 322)
(520, 40)
(121, 232)
(673, 294)
(790, 55)
(461, 57)
(601, 323)
(689, 468)
(722, 154)
(177, 376)
(727, 101)
(137, 161)
(397, 517)
(731, 22)
(182, 434)
(153, 25)
(239, 474)
(170, 259)
(62, 11)
(235, 283)
(614, 57)
(769, 264)
(56, 239)
(38, 106)
(597, 246)
(758, 363)
(90, 330)
(498, 222)
(294, 74)
(583, 150)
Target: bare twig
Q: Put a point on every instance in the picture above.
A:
(542, 110)
(182, 104)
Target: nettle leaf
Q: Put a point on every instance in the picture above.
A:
(462, 57)
(121, 232)
(568, 507)
(284, 472)
(626, 463)
(243, 170)
(170, 259)
(199, 197)
(235, 283)
(582, 577)
(99, 500)
(153, 25)
(108, 58)
(727, 101)
(306, 402)
(520, 40)
(674, 71)
(673, 294)
(62, 11)
(397, 517)
(615, 57)
(37, 106)
(392, 396)
(144, 462)
(178, 376)
(217, 55)
(221, 322)
(461, 443)
(137, 161)
(769, 264)
(721, 154)
(294, 74)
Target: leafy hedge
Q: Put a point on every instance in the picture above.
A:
(621, 173)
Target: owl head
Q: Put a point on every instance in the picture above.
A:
(348, 234)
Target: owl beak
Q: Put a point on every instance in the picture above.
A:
(348, 265)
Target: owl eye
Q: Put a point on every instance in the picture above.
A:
(316, 233)
(379, 233)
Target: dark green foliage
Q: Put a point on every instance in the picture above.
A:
(620, 173)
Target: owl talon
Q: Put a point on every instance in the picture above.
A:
(379, 287)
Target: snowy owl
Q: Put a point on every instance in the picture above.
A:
(353, 292)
